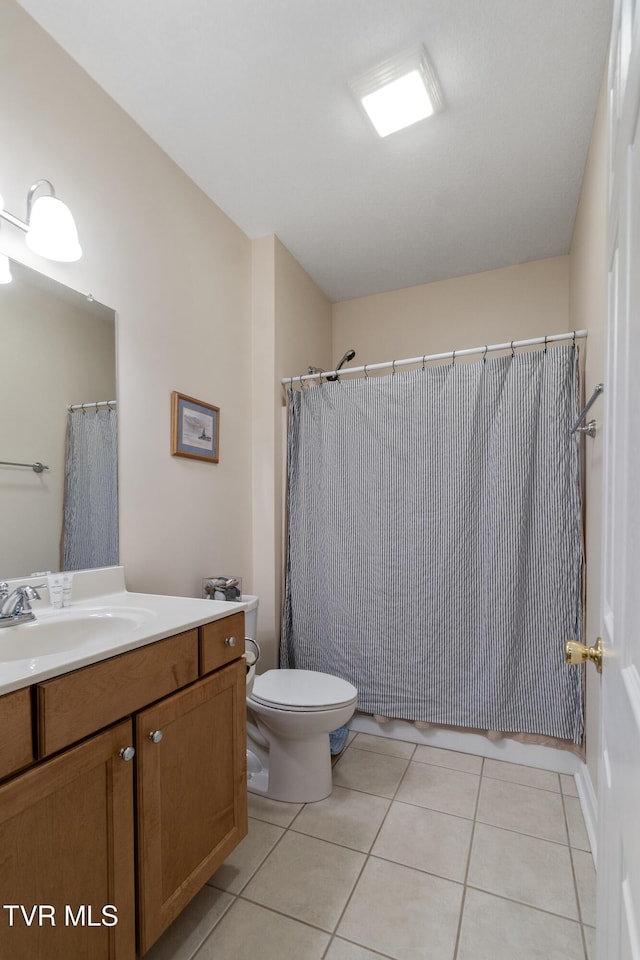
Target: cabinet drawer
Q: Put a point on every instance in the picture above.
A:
(78, 704)
(221, 642)
(16, 743)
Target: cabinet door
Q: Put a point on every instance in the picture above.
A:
(66, 855)
(192, 799)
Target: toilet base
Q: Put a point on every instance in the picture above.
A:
(295, 771)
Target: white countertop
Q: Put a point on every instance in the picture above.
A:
(100, 595)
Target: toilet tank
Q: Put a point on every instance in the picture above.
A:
(250, 615)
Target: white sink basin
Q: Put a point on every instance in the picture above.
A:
(62, 631)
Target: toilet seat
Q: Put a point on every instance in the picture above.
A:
(302, 690)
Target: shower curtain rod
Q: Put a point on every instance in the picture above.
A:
(450, 354)
(89, 406)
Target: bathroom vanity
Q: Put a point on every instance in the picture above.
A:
(122, 771)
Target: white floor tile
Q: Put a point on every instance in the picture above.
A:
(250, 932)
(495, 929)
(347, 817)
(273, 811)
(586, 884)
(385, 745)
(578, 836)
(536, 872)
(403, 913)
(517, 773)
(448, 758)
(307, 879)
(450, 791)
(343, 950)
(370, 772)
(241, 865)
(192, 927)
(426, 839)
(529, 810)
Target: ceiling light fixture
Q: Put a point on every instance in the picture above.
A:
(399, 92)
(50, 228)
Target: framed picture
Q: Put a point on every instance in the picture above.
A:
(195, 428)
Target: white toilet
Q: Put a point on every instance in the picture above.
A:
(290, 714)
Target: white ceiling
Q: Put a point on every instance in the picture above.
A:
(251, 98)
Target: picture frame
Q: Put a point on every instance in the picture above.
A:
(195, 428)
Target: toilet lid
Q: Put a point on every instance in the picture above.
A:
(302, 690)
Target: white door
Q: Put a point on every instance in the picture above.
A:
(618, 934)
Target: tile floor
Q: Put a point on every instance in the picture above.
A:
(419, 854)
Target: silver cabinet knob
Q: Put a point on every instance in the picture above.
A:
(230, 641)
(155, 736)
(128, 753)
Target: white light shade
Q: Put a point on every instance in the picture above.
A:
(52, 231)
(399, 92)
(5, 270)
(398, 104)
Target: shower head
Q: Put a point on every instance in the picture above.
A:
(349, 355)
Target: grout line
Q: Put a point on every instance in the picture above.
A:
(466, 872)
(525, 903)
(368, 854)
(290, 827)
(575, 879)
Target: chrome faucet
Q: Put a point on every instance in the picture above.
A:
(16, 606)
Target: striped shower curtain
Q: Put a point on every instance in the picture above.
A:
(90, 533)
(434, 553)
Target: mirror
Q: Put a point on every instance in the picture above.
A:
(57, 348)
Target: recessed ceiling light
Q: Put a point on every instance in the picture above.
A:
(399, 92)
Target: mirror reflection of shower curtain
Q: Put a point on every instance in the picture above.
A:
(90, 531)
(434, 554)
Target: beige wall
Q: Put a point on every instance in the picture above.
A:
(588, 308)
(291, 330)
(54, 353)
(528, 300)
(178, 273)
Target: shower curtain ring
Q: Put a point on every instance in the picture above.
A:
(366, 375)
(423, 361)
(453, 361)
(574, 340)
(513, 353)
(393, 367)
(545, 342)
(484, 356)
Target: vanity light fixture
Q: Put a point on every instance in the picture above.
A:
(50, 228)
(399, 92)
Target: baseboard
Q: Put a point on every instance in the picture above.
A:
(528, 754)
(589, 805)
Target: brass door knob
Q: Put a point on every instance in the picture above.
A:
(575, 652)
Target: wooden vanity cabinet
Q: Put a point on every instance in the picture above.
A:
(66, 852)
(67, 823)
(16, 742)
(192, 799)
